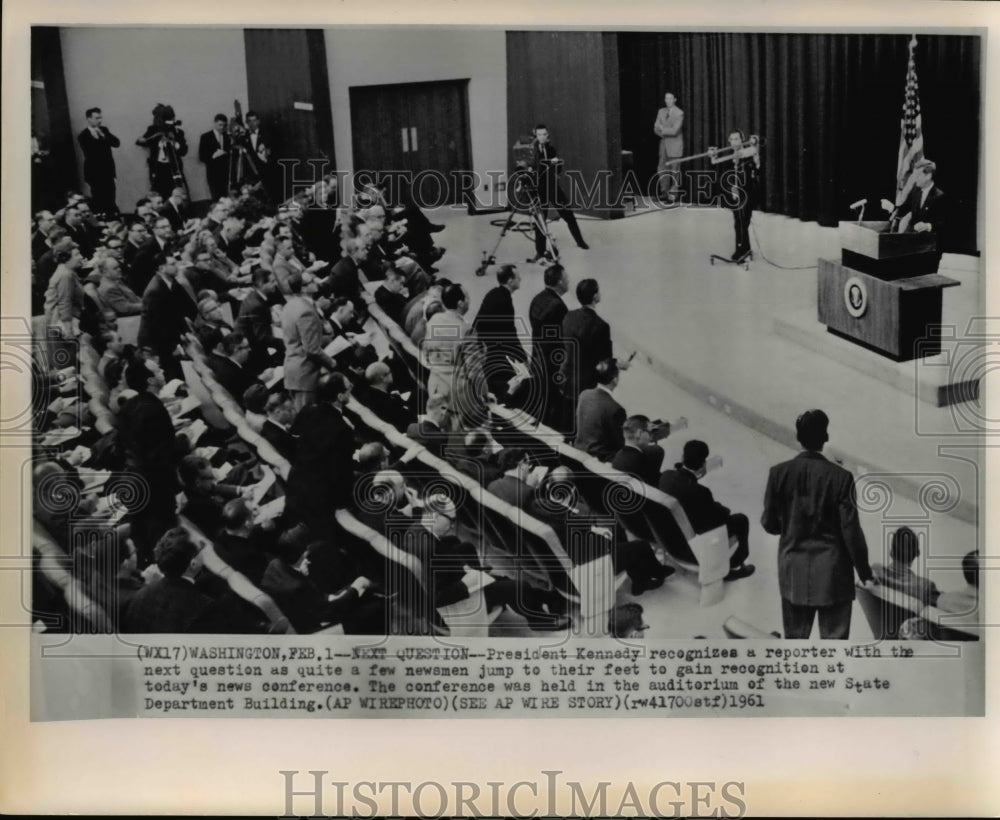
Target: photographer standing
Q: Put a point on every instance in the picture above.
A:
(167, 144)
(547, 166)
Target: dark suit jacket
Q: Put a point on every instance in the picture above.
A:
(495, 326)
(217, 170)
(98, 162)
(163, 310)
(390, 408)
(934, 211)
(176, 217)
(392, 303)
(512, 490)
(599, 420)
(322, 474)
(231, 376)
(442, 561)
(809, 503)
(344, 281)
(300, 600)
(431, 436)
(254, 320)
(145, 261)
(546, 314)
(171, 605)
(703, 511)
(247, 555)
(84, 237)
(635, 463)
(587, 341)
(147, 435)
(280, 439)
(233, 248)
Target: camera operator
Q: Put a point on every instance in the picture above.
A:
(547, 166)
(167, 144)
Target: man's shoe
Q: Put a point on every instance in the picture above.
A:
(664, 572)
(744, 571)
(583, 245)
(435, 228)
(640, 586)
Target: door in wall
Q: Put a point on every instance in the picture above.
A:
(420, 128)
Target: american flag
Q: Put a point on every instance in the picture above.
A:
(911, 135)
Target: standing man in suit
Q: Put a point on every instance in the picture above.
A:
(96, 142)
(148, 257)
(703, 511)
(587, 340)
(547, 167)
(254, 322)
(164, 308)
(738, 184)
(322, 475)
(302, 330)
(926, 206)
(546, 314)
(668, 125)
(599, 418)
(810, 504)
(213, 150)
(496, 328)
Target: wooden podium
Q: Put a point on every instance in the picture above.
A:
(885, 292)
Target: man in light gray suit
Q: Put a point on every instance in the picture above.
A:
(668, 125)
(302, 329)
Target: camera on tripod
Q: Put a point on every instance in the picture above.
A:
(524, 152)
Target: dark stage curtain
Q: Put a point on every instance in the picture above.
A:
(827, 105)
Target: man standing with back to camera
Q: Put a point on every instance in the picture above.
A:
(810, 503)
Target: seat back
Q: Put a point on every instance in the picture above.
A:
(886, 609)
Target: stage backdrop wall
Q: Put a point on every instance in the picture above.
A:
(126, 71)
(367, 57)
(569, 82)
(828, 106)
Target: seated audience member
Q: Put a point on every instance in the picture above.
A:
(176, 208)
(414, 313)
(205, 496)
(288, 580)
(476, 458)
(703, 511)
(136, 239)
(210, 267)
(246, 548)
(229, 365)
(432, 429)
(899, 575)
(517, 485)
(277, 426)
(112, 362)
(966, 601)
(114, 293)
(44, 223)
(599, 418)
(371, 457)
(639, 457)
(626, 621)
(454, 570)
(391, 295)
(383, 401)
(230, 238)
(558, 504)
(173, 603)
(254, 402)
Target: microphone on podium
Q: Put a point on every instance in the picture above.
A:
(859, 206)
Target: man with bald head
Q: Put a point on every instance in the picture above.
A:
(383, 401)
